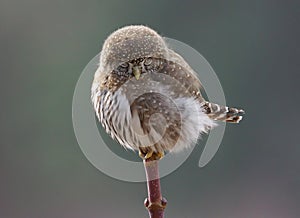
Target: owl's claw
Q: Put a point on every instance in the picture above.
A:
(149, 154)
(160, 155)
(145, 154)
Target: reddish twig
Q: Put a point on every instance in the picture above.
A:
(155, 203)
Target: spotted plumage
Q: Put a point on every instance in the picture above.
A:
(148, 98)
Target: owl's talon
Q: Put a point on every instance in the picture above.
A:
(151, 155)
(148, 155)
(145, 155)
(160, 155)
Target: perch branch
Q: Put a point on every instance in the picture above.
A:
(155, 203)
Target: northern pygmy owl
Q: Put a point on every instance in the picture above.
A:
(148, 98)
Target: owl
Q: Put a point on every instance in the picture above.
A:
(148, 98)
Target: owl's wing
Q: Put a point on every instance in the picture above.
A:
(175, 57)
(193, 86)
(174, 72)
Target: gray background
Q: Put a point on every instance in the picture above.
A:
(252, 45)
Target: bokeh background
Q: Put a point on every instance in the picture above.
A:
(252, 45)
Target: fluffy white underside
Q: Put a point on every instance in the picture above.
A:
(193, 122)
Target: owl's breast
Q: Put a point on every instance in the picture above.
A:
(155, 110)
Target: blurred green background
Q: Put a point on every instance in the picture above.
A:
(254, 48)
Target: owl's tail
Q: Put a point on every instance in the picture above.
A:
(223, 113)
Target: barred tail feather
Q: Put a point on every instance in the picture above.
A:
(223, 113)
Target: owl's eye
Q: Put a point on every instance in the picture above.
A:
(148, 61)
(123, 67)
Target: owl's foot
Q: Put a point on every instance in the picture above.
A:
(160, 154)
(147, 153)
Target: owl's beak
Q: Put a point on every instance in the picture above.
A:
(136, 72)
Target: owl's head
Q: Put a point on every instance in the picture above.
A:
(130, 43)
